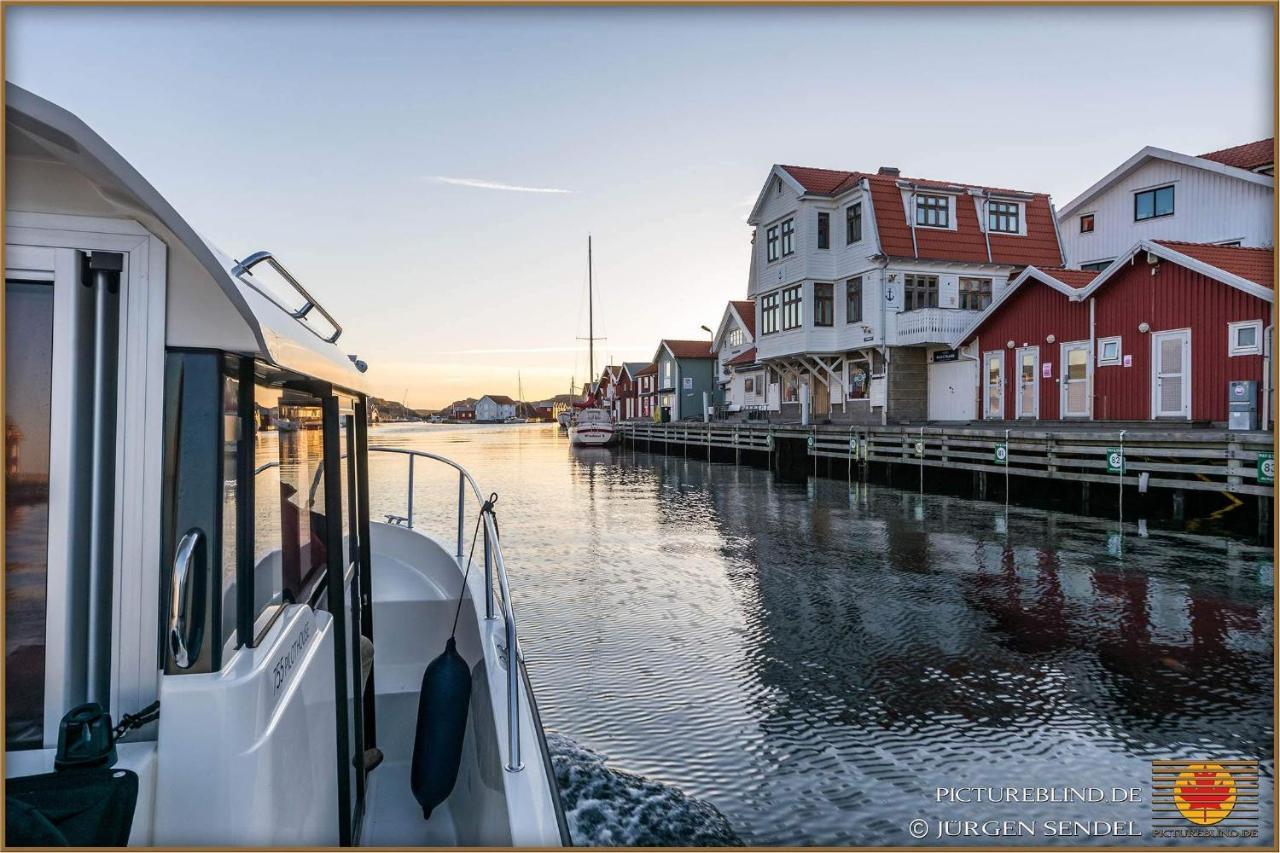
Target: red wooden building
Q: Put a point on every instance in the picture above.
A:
(647, 390)
(1157, 335)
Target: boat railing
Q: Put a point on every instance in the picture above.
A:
(494, 569)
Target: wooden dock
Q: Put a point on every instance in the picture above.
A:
(1151, 457)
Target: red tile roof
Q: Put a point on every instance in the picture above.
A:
(689, 349)
(1071, 278)
(966, 243)
(746, 309)
(745, 357)
(1255, 265)
(1251, 155)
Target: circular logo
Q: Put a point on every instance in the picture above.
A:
(853, 445)
(1269, 469)
(919, 448)
(812, 441)
(1204, 793)
(1114, 460)
(1002, 453)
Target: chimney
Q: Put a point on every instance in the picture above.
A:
(891, 171)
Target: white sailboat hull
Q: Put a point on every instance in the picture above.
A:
(592, 435)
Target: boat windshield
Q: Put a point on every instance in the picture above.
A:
(593, 416)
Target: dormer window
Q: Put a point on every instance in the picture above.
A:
(933, 211)
(1003, 216)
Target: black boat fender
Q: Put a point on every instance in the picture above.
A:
(443, 704)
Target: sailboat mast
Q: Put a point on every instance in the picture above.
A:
(591, 319)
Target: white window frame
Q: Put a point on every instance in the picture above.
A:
(139, 443)
(1113, 361)
(1233, 329)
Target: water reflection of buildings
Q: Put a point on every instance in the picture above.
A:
(889, 610)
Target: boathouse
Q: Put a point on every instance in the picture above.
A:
(646, 390)
(1158, 335)
(685, 374)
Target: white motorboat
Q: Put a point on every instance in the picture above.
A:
(220, 589)
(592, 428)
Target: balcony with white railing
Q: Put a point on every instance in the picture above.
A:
(930, 325)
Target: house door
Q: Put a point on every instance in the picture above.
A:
(1077, 374)
(1171, 374)
(1028, 401)
(993, 385)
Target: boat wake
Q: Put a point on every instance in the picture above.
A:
(613, 808)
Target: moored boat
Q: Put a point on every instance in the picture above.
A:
(219, 588)
(592, 427)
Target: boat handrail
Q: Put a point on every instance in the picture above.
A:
(241, 271)
(494, 566)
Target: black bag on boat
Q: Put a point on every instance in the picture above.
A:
(442, 723)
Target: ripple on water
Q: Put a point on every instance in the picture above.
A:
(812, 662)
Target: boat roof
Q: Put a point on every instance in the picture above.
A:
(39, 129)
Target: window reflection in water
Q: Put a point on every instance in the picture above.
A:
(28, 389)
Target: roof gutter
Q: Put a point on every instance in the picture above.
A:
(985, 224)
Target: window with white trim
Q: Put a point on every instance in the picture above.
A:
(1244, 338)
(735, 337)
(1109, 351)
(933, 210)
(1003, 216)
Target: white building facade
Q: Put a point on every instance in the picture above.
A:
(740, 379)
(861, 279)
(495, 408)
(1223, 197)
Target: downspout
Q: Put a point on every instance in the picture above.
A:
(1093, 349)
(884, 283)
(1057, 232)
(986, 221)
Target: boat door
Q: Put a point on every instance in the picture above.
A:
(1077, 377)
(993, 385)
(1171, 374)
(263, 607)
(1028, 396)
(82, 485)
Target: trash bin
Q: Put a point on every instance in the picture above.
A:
(1242, 405)
(666, 414)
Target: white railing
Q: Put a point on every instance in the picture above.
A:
(494, 567)
(932, 325)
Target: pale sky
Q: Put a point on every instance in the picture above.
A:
(431, 174)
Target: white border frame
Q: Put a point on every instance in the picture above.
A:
(139, 443)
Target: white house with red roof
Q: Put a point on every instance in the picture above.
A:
(861, 279)
(739, 377)
(1222, 197)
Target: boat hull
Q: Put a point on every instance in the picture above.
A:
(592, 435)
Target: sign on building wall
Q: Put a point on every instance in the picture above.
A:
(946, 355)
(1046, 370)
(688, 383)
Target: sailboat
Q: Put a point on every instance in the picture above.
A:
(516, 419)
(591, 427)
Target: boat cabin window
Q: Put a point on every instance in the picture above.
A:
(289, 553)
(28, 387)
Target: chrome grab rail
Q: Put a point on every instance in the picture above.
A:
(243, 267)
(494, 566)
(180, 604)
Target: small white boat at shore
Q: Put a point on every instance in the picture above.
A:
(592, 428)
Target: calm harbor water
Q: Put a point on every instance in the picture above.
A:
(817, 660)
